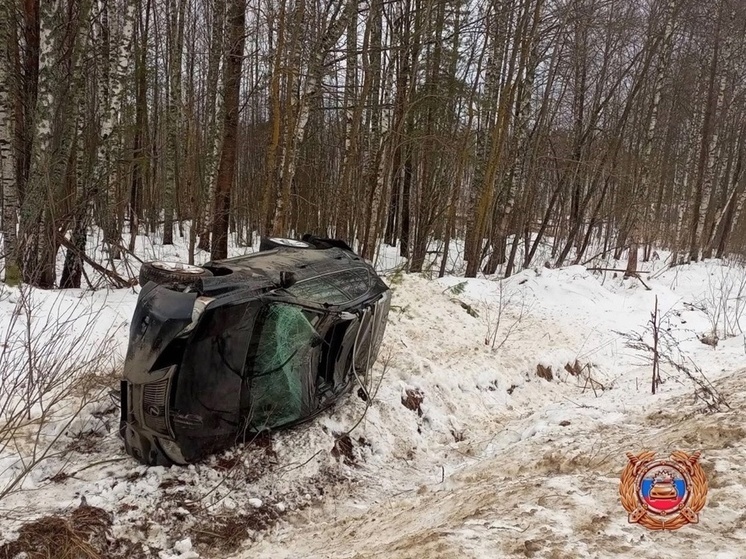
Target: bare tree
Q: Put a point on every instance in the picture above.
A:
(236, 21)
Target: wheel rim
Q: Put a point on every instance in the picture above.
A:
(289, 242)
(177, 267)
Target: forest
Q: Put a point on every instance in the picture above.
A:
(593, 125)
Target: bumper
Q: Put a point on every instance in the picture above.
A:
(147, 419)
(150, 372)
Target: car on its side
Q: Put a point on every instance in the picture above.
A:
(220, 352)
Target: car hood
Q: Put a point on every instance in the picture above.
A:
(160, 315)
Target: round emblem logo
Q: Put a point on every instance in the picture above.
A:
(663, 494)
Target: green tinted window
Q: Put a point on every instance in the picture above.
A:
(278, 366)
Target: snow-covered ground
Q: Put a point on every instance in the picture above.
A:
(497, 462)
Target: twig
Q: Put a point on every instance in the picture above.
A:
(655, 324)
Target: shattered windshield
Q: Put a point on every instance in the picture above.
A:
(278, 368)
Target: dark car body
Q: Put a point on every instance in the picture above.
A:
(268, 340)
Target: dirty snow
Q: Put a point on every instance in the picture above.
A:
(494, 461)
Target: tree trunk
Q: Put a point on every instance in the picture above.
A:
(724, 224)
(214, 107)
(708, 145)
(227, 167)
(60, 77)
(174, 121)
(139, 151)
(8, 161)
(634, 228)
(372, 175)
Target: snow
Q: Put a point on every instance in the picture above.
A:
(495, 461)
(182, 550)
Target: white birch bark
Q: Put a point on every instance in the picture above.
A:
(7, 149)
(121, 64)
(349, 102)
(373, 176)
(115, 44)
(62, 41)
(334, 27)
(32, 211)
(713, 156)
(644, 183)
(214, 112)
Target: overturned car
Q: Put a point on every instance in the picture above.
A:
(222, 351)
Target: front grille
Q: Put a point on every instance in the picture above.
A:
(155, 394)
(154, 401)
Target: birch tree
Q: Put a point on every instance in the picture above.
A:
(8, 160)
(60, 84)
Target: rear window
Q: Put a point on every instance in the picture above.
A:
(354, 282)
(317, 290)
(334, 289)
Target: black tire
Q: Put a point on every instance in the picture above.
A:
(171, 272)
(271, 243)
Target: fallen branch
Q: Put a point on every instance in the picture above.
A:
(642, 282)
(608, 250)
(127, 251)
(635, 274)
(621, 270)
(116, 279)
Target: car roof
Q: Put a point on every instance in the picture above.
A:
(265, 269)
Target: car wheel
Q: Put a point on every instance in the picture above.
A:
(171, 272)
(271, 243)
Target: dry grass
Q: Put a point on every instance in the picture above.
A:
(227, 533)
(84, 535)
(51, 369)
(85, 442)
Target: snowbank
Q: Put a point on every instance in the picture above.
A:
(464, 451)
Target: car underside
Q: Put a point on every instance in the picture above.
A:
(221, 352)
